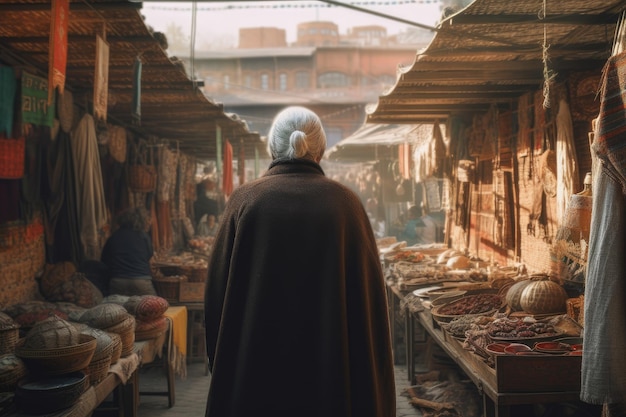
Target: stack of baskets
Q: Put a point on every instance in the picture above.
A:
(168, 287)
(112, 318)
(12, 368)
(55, 347)
(99, 365)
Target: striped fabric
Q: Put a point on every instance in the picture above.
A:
(610, 142)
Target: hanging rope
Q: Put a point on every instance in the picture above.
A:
(548, 75)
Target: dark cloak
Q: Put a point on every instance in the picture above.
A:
(296, 312)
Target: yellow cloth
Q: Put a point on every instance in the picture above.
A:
(177, 317)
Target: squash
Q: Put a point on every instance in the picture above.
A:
(514, 293)
(458, 262)
(543, 297)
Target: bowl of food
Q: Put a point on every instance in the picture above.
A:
(516, 349)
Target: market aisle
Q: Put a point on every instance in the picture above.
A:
(191, 394)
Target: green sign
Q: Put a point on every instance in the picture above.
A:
(35, 107)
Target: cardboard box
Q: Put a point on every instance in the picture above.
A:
(191, 292)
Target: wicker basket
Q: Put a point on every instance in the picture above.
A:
(158, 327)
(194, 273)
(128, 342)
(169, 287)
(98, 369)
(12, 157)
(58, 361)
(116, 351)
(12, 369)
(142, 178)
(8, 340)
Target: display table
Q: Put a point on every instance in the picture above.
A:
(196, 349)
(553, 379)
(121, 381)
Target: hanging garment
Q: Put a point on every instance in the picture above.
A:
(566, 159)
(90, 200)
(8, 87)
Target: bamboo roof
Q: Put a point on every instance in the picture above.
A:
(172, 105)
(493, 51)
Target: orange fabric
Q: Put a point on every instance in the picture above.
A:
(227, 168)
(58, 46)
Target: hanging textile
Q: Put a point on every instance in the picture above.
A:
(603, 372)
(101, 79)
(437, 151)
(227, 174)
(8, 87)
(35, 107)
(136, 104)
(58, 47)
(90, 200)
(566, 159)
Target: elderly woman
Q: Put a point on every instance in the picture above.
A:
(295, 288)
(127, 255)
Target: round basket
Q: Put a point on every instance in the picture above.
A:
(169, 287)
(12, 369)
(8, 340)
(98, 369)
(151, 330)
(116, 351)
(128, 342)
(58, 361)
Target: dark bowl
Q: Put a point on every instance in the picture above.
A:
(49, 394)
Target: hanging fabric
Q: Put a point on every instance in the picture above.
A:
(566, 159)
(57, 59)
(227, 174)
(136, 103)
(101, 79)
(90, 200)
(8, 88)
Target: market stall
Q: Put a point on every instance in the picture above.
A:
(472, 312)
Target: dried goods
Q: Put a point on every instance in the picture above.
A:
(526, 328)
(472, 304)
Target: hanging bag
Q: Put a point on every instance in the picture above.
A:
(12, 158)
(142, 174)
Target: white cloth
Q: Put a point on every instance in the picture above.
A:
(566, 160)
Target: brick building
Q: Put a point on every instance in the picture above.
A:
(335, 76)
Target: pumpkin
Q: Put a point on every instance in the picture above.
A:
(458, 262)
(514, 293)
(543, 297)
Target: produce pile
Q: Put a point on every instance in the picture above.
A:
(472, 304)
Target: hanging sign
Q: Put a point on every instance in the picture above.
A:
(35, 107)
(58, 47)
(101, 79)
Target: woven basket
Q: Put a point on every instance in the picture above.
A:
(195, 274)
(158, 327)
(128, 342)
(142, 178)
(12, 369)
(116, 351)
(8, 340)
(169, 287)
(98, 369)
(58, 361)
(12, 157)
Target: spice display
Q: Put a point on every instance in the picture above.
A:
(520, 328)
(472, 304)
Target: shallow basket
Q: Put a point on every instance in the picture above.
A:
(58, 361)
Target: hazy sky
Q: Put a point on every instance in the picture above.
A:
(220, 21)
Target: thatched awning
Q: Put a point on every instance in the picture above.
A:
(172, 105)
(492, 52)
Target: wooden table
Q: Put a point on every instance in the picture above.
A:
(496, 402)
(195, 333)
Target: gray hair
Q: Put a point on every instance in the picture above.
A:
(297, 132)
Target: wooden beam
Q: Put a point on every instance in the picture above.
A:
(42, 7)
(484, 75)
(513, 18)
